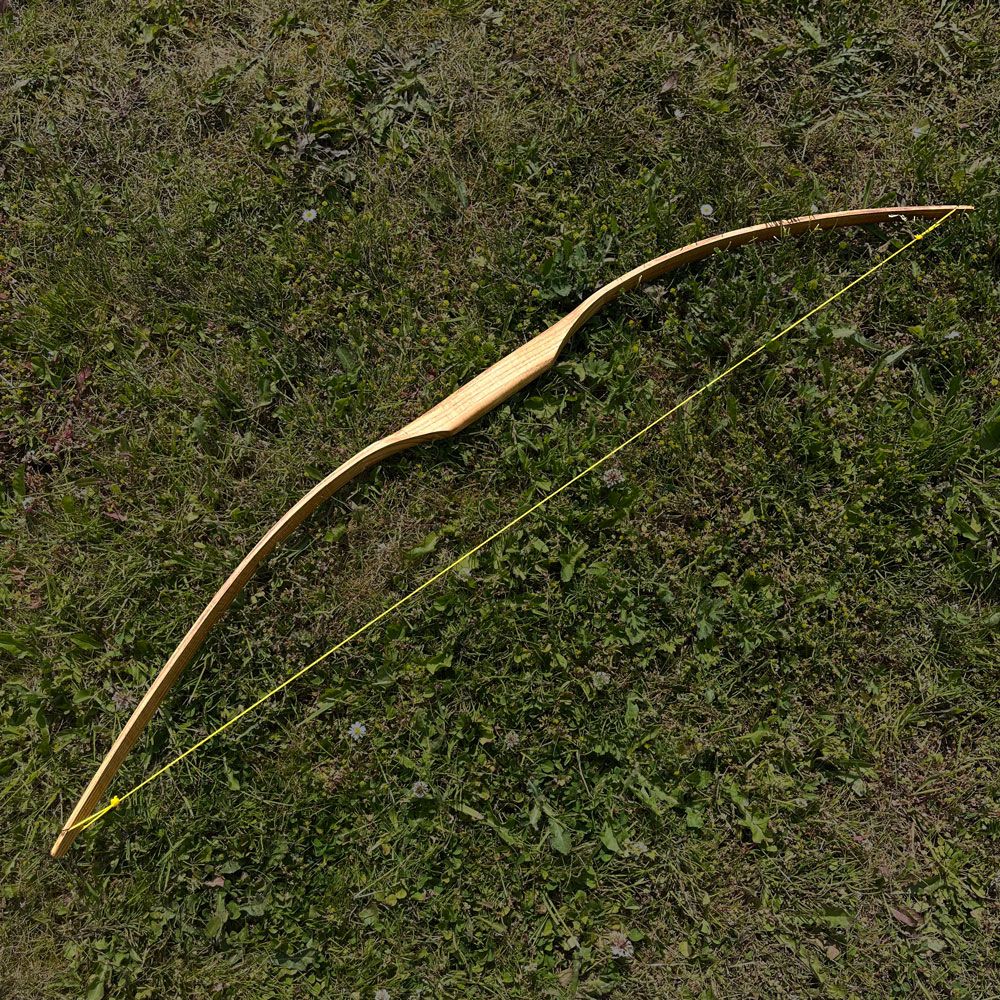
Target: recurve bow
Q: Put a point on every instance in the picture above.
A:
(462, 408)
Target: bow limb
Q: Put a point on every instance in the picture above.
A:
(462, 408)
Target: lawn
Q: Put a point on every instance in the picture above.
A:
(719, 721)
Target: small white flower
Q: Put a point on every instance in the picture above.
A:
(600, 678)
(952, 335)
(511, 740)
(707, 210)
(421, 790)
(357, 731)
(381, 995)
(309, 215)
(613, 476)
(620, 945)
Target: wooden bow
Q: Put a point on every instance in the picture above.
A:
(462, 408)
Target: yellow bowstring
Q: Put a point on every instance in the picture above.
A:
(117, 800)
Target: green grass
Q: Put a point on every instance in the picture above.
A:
(734, 698)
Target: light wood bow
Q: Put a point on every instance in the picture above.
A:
(462, 408)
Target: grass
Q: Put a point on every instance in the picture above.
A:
(727, 708)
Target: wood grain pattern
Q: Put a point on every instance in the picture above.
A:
(462, 408)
